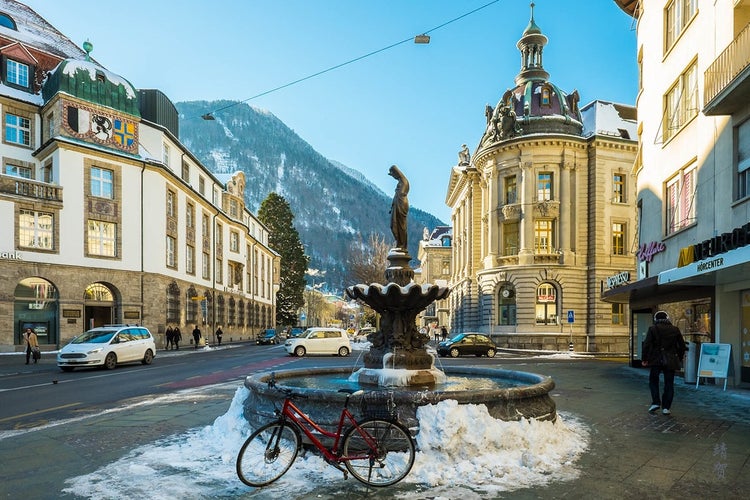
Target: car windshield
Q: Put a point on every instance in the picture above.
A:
(458, 337)
(270, 334)
(94, 337)
(308, 333)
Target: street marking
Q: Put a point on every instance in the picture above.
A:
(39, 411)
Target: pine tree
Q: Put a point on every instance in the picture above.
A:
(276, 214)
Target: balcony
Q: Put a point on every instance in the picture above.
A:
(30, 189)
(727, 79)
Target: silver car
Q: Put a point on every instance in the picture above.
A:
(108, 346)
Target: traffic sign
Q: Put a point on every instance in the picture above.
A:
(302, 317)
(571, 316)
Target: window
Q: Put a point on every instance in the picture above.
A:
(544, 186)
(219, 269)
(102, 184)
(506, 307)
(446, 268)
(206, 266)
(171, 257)
(681, 101)
(17, 171)
(618, 238)
(17, 73)
(743, 160)
(234, 241)
(165, 154)
(677, 15)
(47, 172)
(36, 230)
(511, 190)
(546, 304)
(680, 200)
(510, 238)
(543, 236)
(102, 238)
(7, 21)
(185, 172)
(204, 226)
(17, 129)
(618, 314)
(219, 235)
(190, 216)
(234, 208)
(202, 186)
(170, 203)
(190, 259)
(618, 188)
(545, 96)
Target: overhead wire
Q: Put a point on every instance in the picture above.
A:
(210, 114)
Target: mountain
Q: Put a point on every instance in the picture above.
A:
(331, 202)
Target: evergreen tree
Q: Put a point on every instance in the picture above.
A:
(276, 214)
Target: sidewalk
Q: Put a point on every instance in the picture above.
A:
(701, 451)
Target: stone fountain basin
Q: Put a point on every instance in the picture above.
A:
(530, 400)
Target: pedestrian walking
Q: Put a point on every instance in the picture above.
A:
(444, 333)
(169, 335)
(436, 333)
(196, 335)
(219, 333)
(663, 350)
(32, 345)
(176, 337)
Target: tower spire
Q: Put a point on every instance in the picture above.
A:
(531, 45)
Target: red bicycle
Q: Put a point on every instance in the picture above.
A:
(378, 452)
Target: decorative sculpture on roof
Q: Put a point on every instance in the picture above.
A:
(464, 157)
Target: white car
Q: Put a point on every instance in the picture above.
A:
(319, 341)
(108, 346)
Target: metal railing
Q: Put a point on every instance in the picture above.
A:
(726, 67)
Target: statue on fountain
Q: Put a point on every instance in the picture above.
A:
(398, 344)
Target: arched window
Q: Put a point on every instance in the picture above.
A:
(208, 313)
(546, 304)
(506, 305)
(173, 303)
(240, 313)
(8, 22)
(220, 310)
(232, 313)
(192, 306)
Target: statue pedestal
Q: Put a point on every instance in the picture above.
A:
(398, 270)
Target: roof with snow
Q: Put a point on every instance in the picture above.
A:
(611, 119)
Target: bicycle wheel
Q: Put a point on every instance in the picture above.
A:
(267, 454)
(388, 462)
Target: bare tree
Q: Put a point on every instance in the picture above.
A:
(368, 261)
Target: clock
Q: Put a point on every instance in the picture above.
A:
(506, 293)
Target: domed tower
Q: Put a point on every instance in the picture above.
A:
(535, 105)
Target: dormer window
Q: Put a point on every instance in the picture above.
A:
(546, 96)
(17, 74)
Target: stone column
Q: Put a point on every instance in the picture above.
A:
(526, 223)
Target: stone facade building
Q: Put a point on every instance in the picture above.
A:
(435, 268)
(693, 176)
(543, 215)
(106, 217)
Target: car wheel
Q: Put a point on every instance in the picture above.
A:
(343, 351)
(66, 368)
(299, 351)
(454, 353)
(110, 361)
(490, 353)
(148, 357)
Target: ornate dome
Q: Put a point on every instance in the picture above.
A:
(535, 105)
(90, 82)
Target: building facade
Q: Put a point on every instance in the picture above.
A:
(693, 173)
(543, 217)
(106, 217)
(435, 268)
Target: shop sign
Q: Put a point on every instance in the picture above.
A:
(131, 315)
(71, 313)
(738, 237)
(618, 279)
(10, 255)
(648, 250)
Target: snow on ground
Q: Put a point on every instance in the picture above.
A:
(461, 449)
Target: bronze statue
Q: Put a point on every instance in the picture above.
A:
(399, 207)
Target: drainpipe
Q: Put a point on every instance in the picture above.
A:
(213, 284)
(143, 170)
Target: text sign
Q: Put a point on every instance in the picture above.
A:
(714, 360)
(571, 316)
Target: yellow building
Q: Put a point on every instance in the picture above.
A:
(543, 217)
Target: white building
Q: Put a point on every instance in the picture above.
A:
(693, 173)
(106, 217)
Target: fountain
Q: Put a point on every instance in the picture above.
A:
(398, 368)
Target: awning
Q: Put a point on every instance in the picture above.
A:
(727, 267)
(648, 292)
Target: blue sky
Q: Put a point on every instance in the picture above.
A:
(412, 105)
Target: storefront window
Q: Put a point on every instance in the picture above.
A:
(35, 307)
(546, 304)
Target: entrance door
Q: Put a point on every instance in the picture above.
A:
(99, 305)
(98, 316)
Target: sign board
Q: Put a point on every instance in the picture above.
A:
(571, 316)
(715, 361)
(302, 317)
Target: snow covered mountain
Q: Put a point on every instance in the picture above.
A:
(332, 203)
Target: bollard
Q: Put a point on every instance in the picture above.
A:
(570, 347)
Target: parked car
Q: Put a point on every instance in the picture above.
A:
(267, 336)
(467, 343)
(108, 346)
(319, 341)
(295, 332)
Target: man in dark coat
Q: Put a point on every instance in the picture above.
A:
(196, 335)
(663, 350)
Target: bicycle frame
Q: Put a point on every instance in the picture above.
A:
(291, 413)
